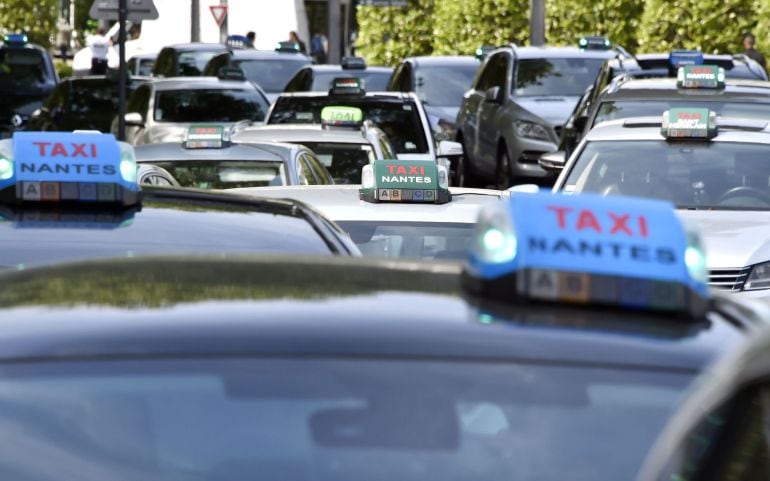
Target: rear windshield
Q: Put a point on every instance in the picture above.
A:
(374, 81)
(411, 240)
(555, 76)
(210, 105)
(192, 63)
(212, 174)
(397, 117)
(622, 109)
(22, 67)
(272, 75)
(343, 161)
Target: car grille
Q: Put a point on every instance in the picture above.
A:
(731, 279)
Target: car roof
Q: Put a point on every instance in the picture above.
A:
(435, 60)
(300, 133)
(143, 56)
(198, 46)
(648, 128)
(663, 88)
(252, 54)
(547, 51)
(301, 306)
(171, 151)
(342, 203)
(192, 83)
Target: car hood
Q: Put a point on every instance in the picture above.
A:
(553, 109)
(732, 239)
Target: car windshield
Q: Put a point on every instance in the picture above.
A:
(343, 161)
(273, 74)
(709, 175)
(374, 81)
(555, 76)
(22, 67)
(622, 109)
(397, 117)
(224, 174)
(145, 66)
(209, 105)
(411, 240)
(192, 62)
(327, 419)
(444, 85)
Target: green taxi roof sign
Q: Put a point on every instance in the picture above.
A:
(416, 181)
(205, 137)
(700, 77)
(342, 116)
(689, 123)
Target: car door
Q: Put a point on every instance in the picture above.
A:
(489, 110)
(467, 119)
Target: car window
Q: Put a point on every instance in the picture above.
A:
(374, 81)
(713, 175)
(410, 240)
(271, 74)
(494, 72)
(444, 85)
(164, 64)
(397, 117)
(139, 101)
(57, 99)
(217, 62)
(192, 62)
(304, 173)
(319, 171)
(209, 105)
(622, 109)
(223, 174)
(145, 66)
(343, 161)
(22, 67)
(555, 76)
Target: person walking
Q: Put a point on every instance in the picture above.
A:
(251, 37)
(748, 44)
(319, 48)
(100, 46)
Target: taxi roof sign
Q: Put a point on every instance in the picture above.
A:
(594, 42)
(678, 58)
(205, 137)
(589, 249)
(689, 123)
(346, 86)
(341, 116)
(61, 167)
(415, 181)
(15, 39)
(700, 77)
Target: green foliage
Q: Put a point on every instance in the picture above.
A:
(568, 20)
(388, 34)
(461, 26)
(37, 18)
(762, 29)
(63, 70)
(713, 26)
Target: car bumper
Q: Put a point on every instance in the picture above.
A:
(525, 155)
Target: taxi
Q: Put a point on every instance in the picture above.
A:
(714, 169)
(75, 196)
(521, 364)
(344, 142)
(402, 209)
(207, 159)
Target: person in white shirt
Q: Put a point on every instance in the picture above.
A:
(100, 46)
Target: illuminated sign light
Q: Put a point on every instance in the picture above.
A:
(204, 137)
(678, 58)
(588, 249)
(700, 77)
(689, 123)
(342, 116)
(416, 181)
(346, 86)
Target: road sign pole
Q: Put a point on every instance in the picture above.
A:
(537, 22)
(122, 14)
(334, 32)
(223, 26)
(195, 21)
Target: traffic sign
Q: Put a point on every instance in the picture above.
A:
(137, 10)
(219, 12)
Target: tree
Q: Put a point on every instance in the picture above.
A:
(567, 20)
(388, 34)
(36, 18)
(713, 26)
(762, 29)
(461, 26)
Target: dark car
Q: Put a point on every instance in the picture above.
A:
(27, 78)
(318, 78)
(268, 69)
(82, 103)
(185, 59)
(440, 83)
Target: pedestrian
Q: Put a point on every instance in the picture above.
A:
(100, 46)
(63, 37)
(294, 38)
(748, 44)
(251, 37)
(319, 48)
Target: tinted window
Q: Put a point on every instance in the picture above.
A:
(373, 81)
(145, 66)
(329, 419)
(710, 175)
(95, 102)
(555, 76)
(140, 100)
(321, 174)
(192, 63)
(212, 174)
(411, 240)
(21, 67)
(209, 105)
(271, 75)
(398, 118)
(494, 72)
(444, 86)
(627, 108)
(343, 161)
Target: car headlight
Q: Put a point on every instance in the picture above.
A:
(759, 277)
(531, 130)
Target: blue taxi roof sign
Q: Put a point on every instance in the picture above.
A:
(678, 58)
(405, 181)
(14, 39)
(588, 249)
(64, 167)
(700, 77)
(689, 123)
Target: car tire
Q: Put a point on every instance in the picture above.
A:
(503, 177)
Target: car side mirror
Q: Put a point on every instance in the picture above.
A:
(135, 119)
(447, 148)
(553, 161)
(492, 95)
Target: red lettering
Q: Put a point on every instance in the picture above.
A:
(93, 150)
(587, 220)
(401, 170)
(412, 170)
(42, 146)
(391, 168)
(643, 226)
(79, 149)
(58, 149)
(561, 213)
(620, 224)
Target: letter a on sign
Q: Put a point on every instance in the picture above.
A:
(219, 12)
